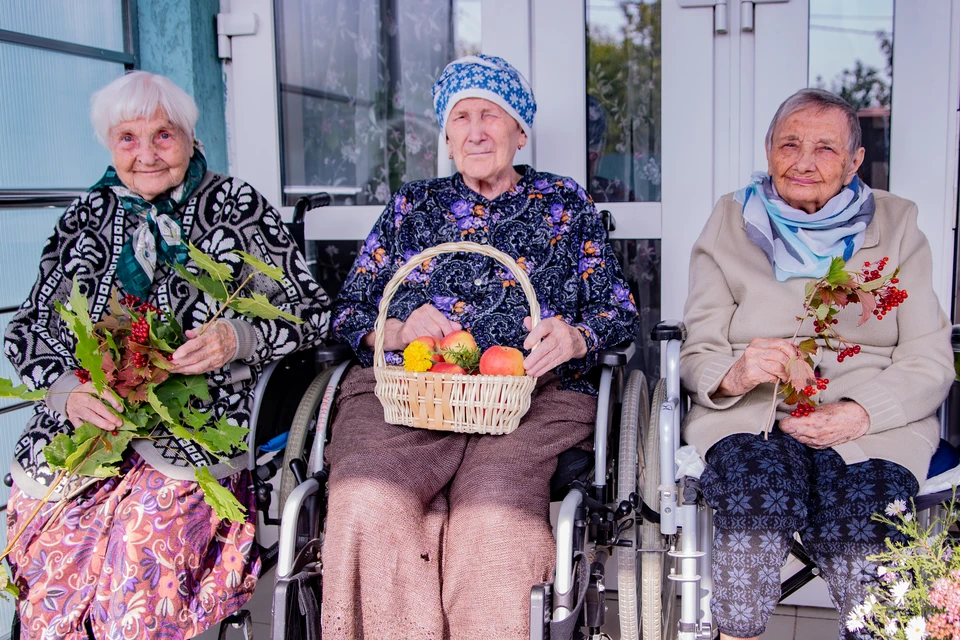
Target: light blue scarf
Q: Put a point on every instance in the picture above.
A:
(800, 244)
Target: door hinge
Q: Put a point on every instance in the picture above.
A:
(233, 24)
(720, 22)
(746, 12)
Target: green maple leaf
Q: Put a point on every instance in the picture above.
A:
(155, 339)
(217, 270)
(258, 306)
(194, 418)
(162, 410)
(106, 454)
(214, 288)
(220, 499)
(808, 347)
(837, 276)
(58, 450)
(222, 438)
(19, 392)
(88, 347)
(269, 270)
(7, 585)
(181, 389)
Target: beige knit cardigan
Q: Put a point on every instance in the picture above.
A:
(900, 377)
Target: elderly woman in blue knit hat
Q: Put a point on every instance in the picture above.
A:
(433, 534)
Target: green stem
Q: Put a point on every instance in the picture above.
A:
(231, 298)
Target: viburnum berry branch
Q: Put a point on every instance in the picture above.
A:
(877, 295)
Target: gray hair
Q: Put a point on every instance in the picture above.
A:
(820, 100)
(139, 94)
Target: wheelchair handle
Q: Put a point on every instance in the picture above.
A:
(379, 360)
(304, 204)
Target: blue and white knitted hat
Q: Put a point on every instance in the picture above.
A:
(487, 77)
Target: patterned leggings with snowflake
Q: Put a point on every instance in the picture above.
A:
(765, 490)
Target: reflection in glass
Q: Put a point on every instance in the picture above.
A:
(95, 23)
(357, 115)
(20, 251)
(851, 54)
(46, 139)
(623, 100)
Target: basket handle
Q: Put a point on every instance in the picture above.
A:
(379, 359)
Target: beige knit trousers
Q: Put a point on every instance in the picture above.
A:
(438, 535)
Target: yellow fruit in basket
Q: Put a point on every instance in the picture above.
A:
(417, 357)
(502, 361)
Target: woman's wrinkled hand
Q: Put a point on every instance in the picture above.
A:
(556, 342)
(207, 352)
(424, 321)
(764, 360)
(830, 425)
(84, 405)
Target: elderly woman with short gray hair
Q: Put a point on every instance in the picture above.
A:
(141, 555)
(871, 437)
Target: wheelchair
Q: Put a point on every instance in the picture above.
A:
(299, 570)
(659, 527)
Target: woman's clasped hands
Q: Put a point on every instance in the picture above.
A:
(765, 361)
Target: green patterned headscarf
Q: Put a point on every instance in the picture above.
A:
(159, 232)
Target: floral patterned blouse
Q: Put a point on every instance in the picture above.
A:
(547, 223)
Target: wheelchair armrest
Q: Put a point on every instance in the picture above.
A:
(669, 330)
(617, 356)
(333, 353)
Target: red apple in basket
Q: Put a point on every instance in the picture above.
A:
(447, 367)
(458, 341)
(501, 361)
(459, 347)
(433, 345)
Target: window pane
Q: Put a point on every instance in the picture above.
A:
(45, 128)
(623, 100)
(95, 23)
(355, 78)
(20, 251)
(851, 54)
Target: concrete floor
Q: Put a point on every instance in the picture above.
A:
(787, 623)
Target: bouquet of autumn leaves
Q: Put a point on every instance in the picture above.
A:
(127, 353)
(876, 293)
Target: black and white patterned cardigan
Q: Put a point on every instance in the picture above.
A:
(222, 215)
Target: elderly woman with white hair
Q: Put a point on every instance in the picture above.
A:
(436, 534)
(141, 555)
(869, 441)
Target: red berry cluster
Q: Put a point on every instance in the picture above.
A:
(130, 301)
(140, 331)
(848, 352)
(820, 327)
(872, 272)
(890, 298)
(803, 410)
(140, 360)
(145, 307)
(82, 375)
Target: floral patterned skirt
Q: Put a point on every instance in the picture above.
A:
(139, 555)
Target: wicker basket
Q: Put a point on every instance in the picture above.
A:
(451, 401)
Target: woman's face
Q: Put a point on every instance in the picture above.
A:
(483, 139)
(809, 158)
(150, 155)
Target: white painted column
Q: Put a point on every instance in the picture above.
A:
(923, 125)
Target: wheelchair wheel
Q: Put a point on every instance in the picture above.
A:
(659, 612)
(302, 431)
(633, 422)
